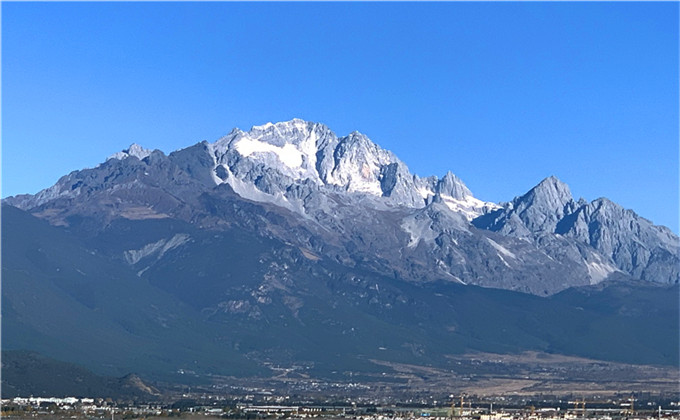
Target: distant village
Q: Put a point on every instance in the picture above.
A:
(215, 407)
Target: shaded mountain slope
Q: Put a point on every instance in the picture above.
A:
(290, 247)
(31, 374)
(234, 303)
(68, 302)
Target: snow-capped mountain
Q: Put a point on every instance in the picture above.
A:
(225, 258)
(274, 157)
(349, 200)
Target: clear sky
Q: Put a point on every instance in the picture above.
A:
(501, 94)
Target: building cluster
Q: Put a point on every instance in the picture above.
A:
(91, 408)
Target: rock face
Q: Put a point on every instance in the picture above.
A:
(624, 241)
(539, 210)
(350, 201)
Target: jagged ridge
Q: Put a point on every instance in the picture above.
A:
(350, 200)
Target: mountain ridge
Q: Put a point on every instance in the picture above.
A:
(289, 247)
(313, 178)
(235, 303)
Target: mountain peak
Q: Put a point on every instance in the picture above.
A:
(539, 210)
(134, 150)
(553, 181)
(551, 191)
(453, 186)
(296, 126)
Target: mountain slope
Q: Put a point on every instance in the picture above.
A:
(69, 302)
(354, 202)
(232, 302)
(290, 246)
(31, 374)
(625, 242)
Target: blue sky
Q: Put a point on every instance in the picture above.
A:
(501, 94)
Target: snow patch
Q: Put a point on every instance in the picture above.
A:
(501, 249)
(159, 248)
(249, 191)
(503, 260)
(262, 127)
(599, 271)
(469, 206)
(425, 192)
(372, 188)
(444, 269)
(288, 154)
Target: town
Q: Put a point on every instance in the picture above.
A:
(252, 407)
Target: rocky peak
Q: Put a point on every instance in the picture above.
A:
(358, 163)
(274, 156)
(536, 212)
(134, 150)
(453, 186)
(295, 131)
(550, 192)
(544, 206)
